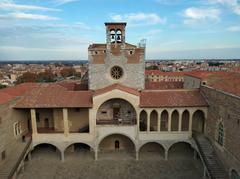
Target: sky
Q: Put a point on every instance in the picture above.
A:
(174, 29)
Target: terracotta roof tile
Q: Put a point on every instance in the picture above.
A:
(10, 93)
(54, 96)
(158, 72)
(163, 85)
(172, 98)
(116, 86)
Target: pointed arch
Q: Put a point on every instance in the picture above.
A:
(198, 121)
(164, 121)
(185, 120)
(220, 134)
(175, 120)
(143, 121)
(153, 120)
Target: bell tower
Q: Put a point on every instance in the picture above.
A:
(116, 61)
(115, 34)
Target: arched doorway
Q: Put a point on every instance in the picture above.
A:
(175, 121)
(45, 151)
(116, 146)
(180, 150)
(143, 121)
(198, 121)
(79, 151)
(164, 121)
(185, 121)
(152, 151)
(153, 121)
(116, 112)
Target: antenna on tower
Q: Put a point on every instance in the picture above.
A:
(142, 43)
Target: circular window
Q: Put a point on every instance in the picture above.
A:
(116, 72)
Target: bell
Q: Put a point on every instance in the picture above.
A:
(113, 36)
(118, 37)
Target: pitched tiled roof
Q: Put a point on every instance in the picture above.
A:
(158, 72)
(116, 86)
(172, 98)
(163, 85)
(10, 93)
(54, 96)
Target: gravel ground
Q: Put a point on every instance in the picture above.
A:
(46, 164)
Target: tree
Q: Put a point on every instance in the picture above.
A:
(46, 76)
(68, 71)
(27, 77)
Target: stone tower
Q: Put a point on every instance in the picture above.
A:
(116, 61)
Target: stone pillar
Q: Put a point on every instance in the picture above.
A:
(34, 121)
(65, 121)
(190, 121)
(137, 155)
(62, 156)
(96, 154)
(166, 155)
(169, 120)
(180, 122)
(159, 122)
(148, 121)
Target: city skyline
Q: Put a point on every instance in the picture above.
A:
(63, 29)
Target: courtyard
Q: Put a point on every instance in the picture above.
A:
(80, 164)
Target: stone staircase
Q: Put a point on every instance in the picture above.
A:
(8, 168)
(210, 158)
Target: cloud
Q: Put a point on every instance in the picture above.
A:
(196, 15)
(61, 2)
(233, 29)
(139, 19)
(28, 16)
(233, 4)
(12, 6)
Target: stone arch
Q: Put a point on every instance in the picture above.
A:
(185, 120)
(143, 121)
(47, 147)
(81, 149)
(198, 121)
(180, 149)
(175, 120)
(152, 150)
(164, 120)
(126, 146)
(116, 111)
(154, 121)
(234, 174)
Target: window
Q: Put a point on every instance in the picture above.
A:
(130, 52)
(104, 112)
(116, 72)
(17, 129)
(96, 52)
(3, 155)
(220, 134)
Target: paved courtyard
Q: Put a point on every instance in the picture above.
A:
(46, 164)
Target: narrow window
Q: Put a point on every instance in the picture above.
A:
(117, 144)
(220, 134)
(3, 155)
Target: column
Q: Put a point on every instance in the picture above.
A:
(169, 120)
(148, 121)
(137, 155)
(190, 121)
(166, 155)
(180, 122)
(62, 156)
(96, 154)
(65, 121)
(159, 121)
(138, 118)
(34, 121)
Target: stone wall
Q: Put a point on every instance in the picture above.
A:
(224, 108)
(9, 118)
(133, 74)
(191, 82)
(78, 118)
